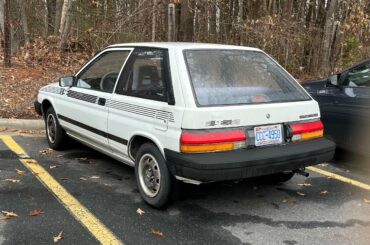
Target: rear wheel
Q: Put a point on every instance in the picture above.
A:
(277, 178)
(55, 134)
(152, 176)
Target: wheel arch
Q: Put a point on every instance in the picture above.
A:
(139, 139)
(45, 104)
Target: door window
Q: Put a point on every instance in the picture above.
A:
(103, 72)
(145, 74)
(359, 76)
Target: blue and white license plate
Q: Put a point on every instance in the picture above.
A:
(268, 135)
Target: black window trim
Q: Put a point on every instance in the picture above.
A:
(169, 98)
(95, 58)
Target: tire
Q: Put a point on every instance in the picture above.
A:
(55, 134)
(153, 178)
(277, 178)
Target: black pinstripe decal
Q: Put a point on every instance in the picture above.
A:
(94, 130)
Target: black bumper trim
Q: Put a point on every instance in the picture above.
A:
(248, 163)
(37, 106)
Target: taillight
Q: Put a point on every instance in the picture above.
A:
(196, 142)
(307, 130)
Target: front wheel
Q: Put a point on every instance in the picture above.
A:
(152, 176)
(55, 134)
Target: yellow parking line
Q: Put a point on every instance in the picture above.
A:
(81, 213)
(341, 178)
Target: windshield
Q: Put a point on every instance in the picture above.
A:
(229, 77)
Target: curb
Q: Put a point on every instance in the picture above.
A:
(30, 124)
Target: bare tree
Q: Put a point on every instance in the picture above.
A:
(7, 35)
(2, 2)
(67, 23)
(154, 19)
(58, 11)
(186, 27)
(63, 15)
(25, 28)
(328, 34)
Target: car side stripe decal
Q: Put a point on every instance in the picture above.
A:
(94, 130)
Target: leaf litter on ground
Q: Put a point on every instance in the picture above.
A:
(58, 237)
(35, 212)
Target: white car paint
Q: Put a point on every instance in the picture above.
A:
(185, 114)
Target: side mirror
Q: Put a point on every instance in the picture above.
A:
(66, 81)
(333, 79)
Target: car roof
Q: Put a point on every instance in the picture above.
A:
(182, 45)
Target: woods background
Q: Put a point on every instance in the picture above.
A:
(309, 38)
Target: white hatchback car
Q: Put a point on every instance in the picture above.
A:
(187, 111)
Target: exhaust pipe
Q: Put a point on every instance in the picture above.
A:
(301, 171)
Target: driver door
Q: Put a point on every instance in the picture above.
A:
(84, 112)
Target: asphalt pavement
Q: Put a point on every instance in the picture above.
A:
(313, 210)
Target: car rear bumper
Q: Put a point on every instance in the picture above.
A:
(37, 106)
(246, 163)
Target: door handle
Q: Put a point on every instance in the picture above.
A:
(101, 101)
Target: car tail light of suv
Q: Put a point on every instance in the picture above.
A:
(306, 130)
(208, 141)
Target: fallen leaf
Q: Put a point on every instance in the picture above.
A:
(11, 214)
(140, 211)
(46, 151)
(324, 192)
(12, 180)
(35, 212)
(53, 166)
(58, 237)
(305, 184)
(19, 172)
(366, 200)
(94, 177)
(157, 233)
(107, 185)
(92, 162)
(300, 193)
(290, 201)
(83, 158)
(83, 178)
(5, 217)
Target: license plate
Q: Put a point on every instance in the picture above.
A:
(268, 135)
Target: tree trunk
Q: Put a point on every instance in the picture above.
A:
(67, 24)
(7, 35)
(328, 35)
(2, 2)
(58, 12)
(51, 7)
(154, 19)
(63, 15)
(186, 26)
(45, 19)
(25, 28)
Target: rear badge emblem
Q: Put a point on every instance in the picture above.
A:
(268, 116)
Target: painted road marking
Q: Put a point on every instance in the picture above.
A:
(81, 213)
(340, 178)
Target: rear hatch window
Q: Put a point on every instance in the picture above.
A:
(231, 77)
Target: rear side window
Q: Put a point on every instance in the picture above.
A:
(229, 77)
(145, 75)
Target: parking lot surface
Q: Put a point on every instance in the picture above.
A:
(84, 193)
